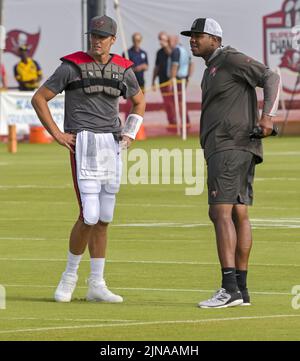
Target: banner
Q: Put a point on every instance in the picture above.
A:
(281, 43)
(16, 108)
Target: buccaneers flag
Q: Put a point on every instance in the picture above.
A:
(16, 38)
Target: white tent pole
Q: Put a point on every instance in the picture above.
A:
(120, 23)
(183, 100)
(175, 93)
(84, 24)
(2, 35)
(282, 102)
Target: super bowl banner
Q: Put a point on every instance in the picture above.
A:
(281, 43)
(16, 108)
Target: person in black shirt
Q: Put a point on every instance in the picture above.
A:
(139, 58)
(229, 115)
(161, 71)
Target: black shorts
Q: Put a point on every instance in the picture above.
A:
(230, 176)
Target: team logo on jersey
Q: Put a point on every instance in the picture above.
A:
(213, 71)
(214, 194)
(282, 43)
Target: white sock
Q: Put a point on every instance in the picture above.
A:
(97, 268)
(73, 263)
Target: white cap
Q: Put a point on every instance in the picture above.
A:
(205, 25)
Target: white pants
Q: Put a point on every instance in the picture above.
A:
(96, 197)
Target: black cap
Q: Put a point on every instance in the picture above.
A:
(204, 25)
(103, 25)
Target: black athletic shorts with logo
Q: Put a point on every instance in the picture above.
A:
(230, 175)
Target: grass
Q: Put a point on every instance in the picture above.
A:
(161, 254)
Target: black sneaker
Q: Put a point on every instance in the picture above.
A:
(246, 297)
(222, 299)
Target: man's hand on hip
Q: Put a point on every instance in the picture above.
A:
(66, 139)
(266, 124)
(126, 142)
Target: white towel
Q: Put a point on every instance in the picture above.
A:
(97, 156)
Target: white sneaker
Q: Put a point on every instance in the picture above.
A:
(66, 287)
(98, 291)
(223, 299)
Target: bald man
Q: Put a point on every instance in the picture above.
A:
(139, 58)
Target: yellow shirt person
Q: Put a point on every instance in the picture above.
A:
(28, 72)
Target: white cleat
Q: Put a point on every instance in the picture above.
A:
(98, 292)
(66, 287)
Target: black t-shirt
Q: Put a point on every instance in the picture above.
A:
(162, 63)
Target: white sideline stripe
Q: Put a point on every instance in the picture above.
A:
(155, 225)
(36, 219)
(69, 186)
(148, 323)
(62, 319)
(277, 191)
(289, 223)
(36, 201)
(193, 290)
(27, 239)
(170, 205)
(35, 186)
(148, 205)
(166, 224)
(276, 179)
(288, 220)
(145, 262)
(153, 289)
(283, 153)
(189, 241)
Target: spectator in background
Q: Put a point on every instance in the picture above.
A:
(28, 72)
(139, 58)
(161, 71)
(3, 78)
(180, 66)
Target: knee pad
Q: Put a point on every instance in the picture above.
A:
(89, 186)
(90, 208)
(107, 205)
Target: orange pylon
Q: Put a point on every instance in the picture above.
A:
(12, 144)
(141, 135)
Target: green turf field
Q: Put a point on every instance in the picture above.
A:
(161, 255)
